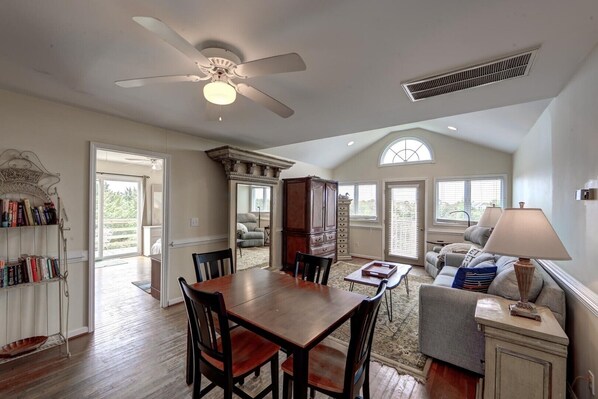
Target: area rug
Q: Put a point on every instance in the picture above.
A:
(395, 343)
(144, 285)
(253, 257)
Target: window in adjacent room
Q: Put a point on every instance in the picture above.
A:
(364, 204)
(406, 150)
(260, 199)
(471, 195)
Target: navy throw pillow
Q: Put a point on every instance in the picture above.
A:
(476, 279)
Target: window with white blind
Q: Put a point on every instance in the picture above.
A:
(364, 204)
(471, 195)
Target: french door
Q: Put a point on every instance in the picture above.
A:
(404, 222)
(118, 216)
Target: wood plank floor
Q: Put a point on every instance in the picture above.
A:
(138, 351)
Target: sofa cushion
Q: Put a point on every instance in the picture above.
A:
(505, 284)
(448, 271)
(477, 235)
(458, 247)
(484, 258)
(470, 256)
(444, 280)
(476, 279)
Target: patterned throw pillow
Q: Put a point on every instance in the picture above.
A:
(471, 254)
(478, 279)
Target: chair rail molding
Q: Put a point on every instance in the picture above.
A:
(586, 296)
(245, 165)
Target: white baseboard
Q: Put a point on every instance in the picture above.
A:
(175, 301)
(77, 332)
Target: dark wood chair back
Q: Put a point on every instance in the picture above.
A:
(210, 265)
(362, 333)
(206, 313)
(312, 268)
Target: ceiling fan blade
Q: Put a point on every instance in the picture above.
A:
(166, 33)
(261, 98)
(291, 62)
(156, 79)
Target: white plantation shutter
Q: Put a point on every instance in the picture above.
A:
(470, 195)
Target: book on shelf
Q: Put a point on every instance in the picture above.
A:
(17, 213)
(28, 269)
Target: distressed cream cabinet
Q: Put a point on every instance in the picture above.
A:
(524, 358)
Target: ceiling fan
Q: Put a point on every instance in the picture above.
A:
(155, 163)
(222, 68)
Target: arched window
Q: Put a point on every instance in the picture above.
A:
(406, 150)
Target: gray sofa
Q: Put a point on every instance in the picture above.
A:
(447, 329)
(474, 235)
(248, 232)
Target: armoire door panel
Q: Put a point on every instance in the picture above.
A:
(296, 216)
(317, 205)
(331, 199)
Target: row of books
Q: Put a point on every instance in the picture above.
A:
(17, 213)
(28, 269)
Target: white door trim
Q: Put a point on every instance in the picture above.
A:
(93, 148)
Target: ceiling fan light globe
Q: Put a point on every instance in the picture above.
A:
(219, 93)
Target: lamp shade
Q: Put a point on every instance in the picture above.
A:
(526, 233)
(220, 93)
(490, 216)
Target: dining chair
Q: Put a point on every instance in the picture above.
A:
(222, 355)
(209, 265)
(338, 372)
(312, 268)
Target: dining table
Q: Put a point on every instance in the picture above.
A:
(291, 312)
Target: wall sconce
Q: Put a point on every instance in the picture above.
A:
(585, 194)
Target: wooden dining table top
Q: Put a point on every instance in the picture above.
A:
(298, 312)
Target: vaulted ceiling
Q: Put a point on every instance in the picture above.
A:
(357, 54)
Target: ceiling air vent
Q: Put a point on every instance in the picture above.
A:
(494, 71)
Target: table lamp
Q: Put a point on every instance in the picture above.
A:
(525, 233)
(490, 216)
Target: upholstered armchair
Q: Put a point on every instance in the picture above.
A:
(248, 231)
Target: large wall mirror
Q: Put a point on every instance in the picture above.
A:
(253, 225)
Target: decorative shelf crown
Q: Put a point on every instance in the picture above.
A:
(23, 172)
(245, 165)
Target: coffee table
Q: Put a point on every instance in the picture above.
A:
(394, 280)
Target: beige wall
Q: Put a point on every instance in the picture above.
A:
(453, 158)
(557, 157)
(60, 135)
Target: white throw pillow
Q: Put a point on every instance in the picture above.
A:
(471, 255)
(459, 247)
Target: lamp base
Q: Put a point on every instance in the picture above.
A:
(525, 310)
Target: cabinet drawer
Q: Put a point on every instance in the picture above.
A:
(342, 247)
(342, 225)
(342, 235)
(322, 249)
(330, 236)
(341, 241)
(343, 214)
(316, 239)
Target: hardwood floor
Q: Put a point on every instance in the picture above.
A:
(138, 351)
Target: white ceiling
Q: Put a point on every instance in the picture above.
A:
(357, 54)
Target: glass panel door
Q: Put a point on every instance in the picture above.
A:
(118, 217)
(404, 227)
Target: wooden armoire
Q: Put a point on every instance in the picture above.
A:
(309, 218)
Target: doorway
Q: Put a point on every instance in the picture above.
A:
(253, 223)
(127, 229)
(404, 222)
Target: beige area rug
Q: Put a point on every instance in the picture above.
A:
(253, 257)
(395, 343)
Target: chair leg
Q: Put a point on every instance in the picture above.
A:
(274, 373)
(257, 373)
(312, 393)
(287, 387)
(189, 363)
(366, 382)
(196, 383)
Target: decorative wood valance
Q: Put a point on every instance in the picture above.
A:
(245, 165)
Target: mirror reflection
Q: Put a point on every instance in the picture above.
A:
(253, 226)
